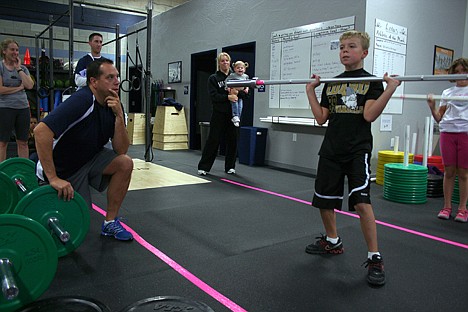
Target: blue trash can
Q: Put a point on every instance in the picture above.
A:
(252, 145)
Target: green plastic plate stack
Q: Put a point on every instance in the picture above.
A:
(405, 184)
(386, 157)
(456, 193)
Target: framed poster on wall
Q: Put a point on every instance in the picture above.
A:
(174, 72)
(443, 58)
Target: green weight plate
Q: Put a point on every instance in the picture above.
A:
(43, 204)
(408, 168)
(396, 197)
(405, 200)
(8, 194)
(34, 257)
(406, 177)
(409, 202)
(406, 173)
(407, 195)
(388, 186)
(23, 169)
(407, 181)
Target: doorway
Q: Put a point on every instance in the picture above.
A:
(203, 64)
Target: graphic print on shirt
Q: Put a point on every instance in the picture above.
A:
(343, 98)
(221, 84)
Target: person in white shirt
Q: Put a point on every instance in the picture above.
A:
(95, 42)
(452, 117)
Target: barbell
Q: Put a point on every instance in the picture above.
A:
(19, 171)
(28, 261)
(67, 221)
(255, 82)
(41, 229)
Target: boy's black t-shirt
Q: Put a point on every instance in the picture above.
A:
(348, 133)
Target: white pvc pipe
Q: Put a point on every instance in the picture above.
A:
(397, 142)
(407, 143)
(426, 141)
(431, 138)
(413, 144)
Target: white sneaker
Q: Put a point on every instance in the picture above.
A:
(202, 172)
(231, 171)
(235, 120)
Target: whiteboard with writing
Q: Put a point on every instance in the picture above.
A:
(299, 52)
(390, 57)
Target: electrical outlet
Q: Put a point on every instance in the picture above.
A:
(294, 137)
(392, 142)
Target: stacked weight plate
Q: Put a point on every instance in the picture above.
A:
(435, 185)
(434, 163)
(456, 193)
(389, 157)
(405, 184)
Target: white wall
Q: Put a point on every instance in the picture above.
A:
(202, 25)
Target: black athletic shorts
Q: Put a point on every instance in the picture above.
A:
(329, 184)
(14, 122)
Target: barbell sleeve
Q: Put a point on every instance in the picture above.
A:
(9, 289)
(20, 185)
(62, 234)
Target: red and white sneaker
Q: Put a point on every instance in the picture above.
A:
(445, 213)
(462, 216)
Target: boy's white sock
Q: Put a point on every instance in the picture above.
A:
(370, 254)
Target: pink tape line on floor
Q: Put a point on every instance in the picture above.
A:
(180, 269)
(439, 239)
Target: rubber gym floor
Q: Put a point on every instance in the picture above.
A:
(236, 242)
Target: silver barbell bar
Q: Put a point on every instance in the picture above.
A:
(255, 83)
(426, 97)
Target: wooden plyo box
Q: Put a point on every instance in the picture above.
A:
(170, 129)
(136, 125)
